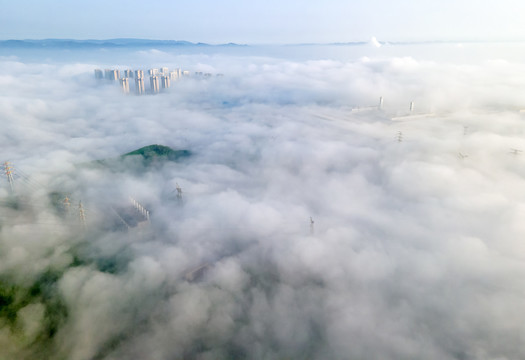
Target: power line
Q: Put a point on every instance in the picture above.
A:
(8, 170)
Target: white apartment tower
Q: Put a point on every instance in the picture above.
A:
(99, 74)
(165, 81)
(112, 75)
(139, 74)
(139, 85)
(174, 75)
(124, 84)
(154, 84)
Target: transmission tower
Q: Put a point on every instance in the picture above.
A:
(179, 192)
(399, 136)
(81, 214)
(311, 225)
(67, 205)
(8, 170)
(140, 208)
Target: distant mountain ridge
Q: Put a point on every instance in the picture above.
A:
(93, 43)
(148, 43)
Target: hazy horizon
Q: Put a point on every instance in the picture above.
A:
(328, 201)
(356, 42)
(265, 21)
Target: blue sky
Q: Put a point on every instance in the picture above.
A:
(270, 21)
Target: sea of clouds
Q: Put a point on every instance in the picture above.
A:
(329, 228)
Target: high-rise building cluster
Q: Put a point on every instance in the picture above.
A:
(159, 79)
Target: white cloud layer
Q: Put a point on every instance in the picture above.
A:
(416, 249)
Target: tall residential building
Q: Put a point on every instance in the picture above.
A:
(139, 85)
(164, 70)
(154, 84)
(139, 74)
(128, 73)
(153, 72)
(185, 73)
(124, 84)
(174, 75)
(99, 74)
(111, 74)
(165, 81)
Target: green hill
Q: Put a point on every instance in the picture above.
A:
(145, 157)
(158, 152)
